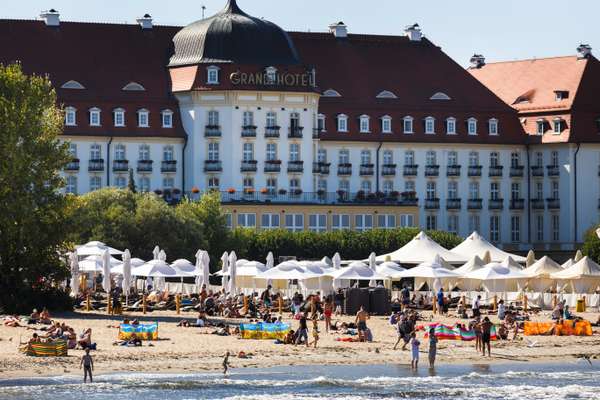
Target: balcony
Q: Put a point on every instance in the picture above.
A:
(453, 170)
(120, 165)
(410, 170)
(272, 131)
(273, 166)
(144, 166)
(73, 165)
(213, 166)
(321, 168)
(344, 169)
(496, 171)
(317, 133)
(537, 171)
(537, 204)
(496, 204)
(474, 170)
(553, 170)
(249, 166)
(432, 204)
(475, 204)
(432, 170)
(295, 167)
(453, 204)
(96, 165)
(367, 170)
(295, 132)
(553, 204)
(516, 171)
(407, 199)
(212, 131)
(249, 131)
(517, 204)
(388, 170)
(168, 167)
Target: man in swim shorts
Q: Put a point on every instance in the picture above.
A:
(361, 323)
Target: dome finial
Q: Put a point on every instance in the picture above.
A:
(232, 7)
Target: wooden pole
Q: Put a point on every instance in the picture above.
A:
(178, 303)
(88, 304)
(280, 303)
(144, 303)
(495, 303)
(434, 304)
(108, 305)
(584, 307)
(245, 305)
(554, 301)
(525, 303)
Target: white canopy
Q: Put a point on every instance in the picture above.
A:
(118, 268)
(74, 266)
(390, 270)
(95, 248)
(358, 271)
(106, 282)
(568, 263)
(155, 269)
(224, 270)
(185, 268)
(94, 264)
(232, 262)
(287, 270)
(539, 274)
(496, 277)
(433, 269)
(583, 276)
(126, 272)
(473, 264)
(270, 260)
(421, 249)
(477, 245)
(510, 263)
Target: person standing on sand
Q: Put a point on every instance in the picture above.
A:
(414, 343)
(486, 336)
(226, 363)
(315, 332)
(87, 363)
(361, 322)
(432, 347)
(440, 301)
(302, 330)
(327, 313)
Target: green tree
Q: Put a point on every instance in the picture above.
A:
(591, 245)
(32, 227)
(131, 183)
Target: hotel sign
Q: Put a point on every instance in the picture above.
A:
(306, 79)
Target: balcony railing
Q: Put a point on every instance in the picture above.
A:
(295, 167)
(453, 204)
(249, 131)
(474, 170)
(96, 165)
(553, 204)
(537, 204)
(212, 131)
(553, 170)
(344, 169)
(453, 170)
(496, 171)
(407, 199)
(516, 171)
(213, 166)
(474, 204)
(73, 165)
(537, 171)
(168, 167)
(321, 168)
(272, 131)
(317, 133)
(432, 170)
(144, 166)
(249, 166)
(295, 132)
(517, 204)
(388, 170)
(272, 166)
(432, 204)
(367, 170)
(120, 165)
(410, 170)
(496, 204)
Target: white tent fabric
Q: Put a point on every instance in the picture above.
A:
(155, 253)
(474, 264)
(583, 276)
(162, 256)
(322, 282)
(74, 266)
(224, 271)
(539, 274)
(422, 249)
(287, 270)
(199, 281)
(106, 282)
(118, 268)
(126, 273)
(337, 261)
(510, 263)
(270, 260)
(155, 269)
(94, 264)
(568, 263)
(390, 270)
(185, 268)
(246, 274)
(373, 265)
(95, 248)
(357, 271)
(430, 272)
(232, 289)
(496, 277)
(477, 245)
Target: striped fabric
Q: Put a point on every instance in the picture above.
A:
(52, 349)
(142, 332)
(445, 332)
(263, 331)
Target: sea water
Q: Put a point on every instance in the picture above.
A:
(569, 380)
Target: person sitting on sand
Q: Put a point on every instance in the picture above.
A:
(567, 314)
(503, 331)
(12, 321)
(45, 317)
(34, 317)
(289, 337)
(85, 339)
(35, 339)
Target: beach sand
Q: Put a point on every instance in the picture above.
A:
(189, 350)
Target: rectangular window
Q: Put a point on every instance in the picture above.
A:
(539, 190)
(495, 228)
(386, 221)
(453, 224)
(119, 118)
(248, 118)
(143, 119)
(430, 126)
(541, 127)
(555, 227)
(494, 159)
(407, 220)
(342, 124)
(213, 151)
(317, 222)
(294, 222)
(431, 222)
(494, 191)
(474, 191)
(95, 183)
(248, 152)
(431, 190)
(213, 76)
(409, 158)
(539, 222)
(344, 157)
(451, 126)
(408, 125)
(515, 229)
(95, 118)
(271, 151)
(386, 125)
(515, 191)
(364, 125)
(70, 117)
(246, 220)
(363, 222)
(340, 222)
(555, 190)
(493, 127)
(452, 190)
(271, 120)
(294, 152)
(472, 127)
(557, 126)
(474, 223)
(321, 123)
(228, 221)
(322, 155)
(167, 120)
(269, 221)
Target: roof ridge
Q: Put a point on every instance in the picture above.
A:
(104, 23)
(528, 60)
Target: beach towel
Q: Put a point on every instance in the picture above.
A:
(57, 348)
(264, 331)
(566, 328)
(445, 332)
(142, 332)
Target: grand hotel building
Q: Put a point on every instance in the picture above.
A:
(324, 131)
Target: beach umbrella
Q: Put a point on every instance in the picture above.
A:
(155, 269)
(373, 265)
(118, 268)
(337, 261)
(530, 259)
(74, 265)
(106, 271)
(95, 248)
(155, 252)
(199, 281)
(94, 264)
(232, 273)
(162, 256)
(126, 284)
(206, 267)
(270, 260)
(225, 271)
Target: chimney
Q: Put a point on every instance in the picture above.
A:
(477, 61)
(50, 17)
(145, 22)
(584, 50)
(339, 30)
(413, 32)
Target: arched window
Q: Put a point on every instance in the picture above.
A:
(472, 126)
(430, 125)
(440, 96)
(342, 122)
(70, 116)
(72, 85)
(167, 118)
(143, 118)
(386, 94)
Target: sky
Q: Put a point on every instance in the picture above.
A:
(498, 29)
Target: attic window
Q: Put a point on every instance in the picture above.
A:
(386, 94)
(134, 87)
(560, 95)
(271, 75)
(212, 75)
(558, 125)
(72, 85)
(541, 126)
(440, 96)
(331, 93)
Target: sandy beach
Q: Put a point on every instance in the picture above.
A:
(188, 350)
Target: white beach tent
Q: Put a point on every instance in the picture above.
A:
(583, 276)
(539, 274)
(474, 264)
(356, 271)
(496, 277)
(431, 272)
(568, 263)
(390, 270)
(185, 268)
(134, 263)
(475, 244)
(323, 282)
(510, 263)
(281, 274)
(422, 249)
(155, 269)
(95, 248)
(94, 264)
(247, 272)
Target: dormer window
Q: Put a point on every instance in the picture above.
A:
(72, 85)
(386, 94)
(271, 75)
(94, 116)
(386, 124)
(119, 117)
(440, 96)
(472, 126)
(320, 123)
(364, 124)
(541, 126)
(331, 93)
(430, 125)
(408, 125)
(558, 126)
(212, 75)
(493, 126)
(560, 95)
(143, 118)
(342, 121)
(451, 126)
(134, 87)
(167, 119)
(70, 116)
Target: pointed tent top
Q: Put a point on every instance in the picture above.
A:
(578, 256)
(542, 268)
(233, 8)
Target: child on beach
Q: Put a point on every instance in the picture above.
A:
(432, 347)
(414, 342)
(226, 363)
(88, 366)
(315, 332)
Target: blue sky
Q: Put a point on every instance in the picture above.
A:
(499, 29)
